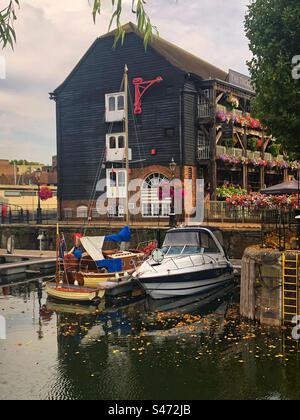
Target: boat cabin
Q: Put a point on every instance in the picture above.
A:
(192, 241)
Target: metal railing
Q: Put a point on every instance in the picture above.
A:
(203, 152)
(205, 110)
(10, 214)
(222, 212)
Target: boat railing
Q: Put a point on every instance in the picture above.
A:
(193, 264)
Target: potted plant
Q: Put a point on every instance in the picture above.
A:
(252, 144)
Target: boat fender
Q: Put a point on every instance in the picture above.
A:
(76, 283)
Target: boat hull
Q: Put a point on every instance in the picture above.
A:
(168, 286)
(73, 294)
(94, 280)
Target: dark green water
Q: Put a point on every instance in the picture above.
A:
(136, 350)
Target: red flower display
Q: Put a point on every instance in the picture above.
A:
(257, 200)
(45, 193)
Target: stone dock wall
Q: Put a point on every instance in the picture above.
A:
(261, 285)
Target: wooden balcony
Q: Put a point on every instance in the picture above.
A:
(205, 110)
(203, 152)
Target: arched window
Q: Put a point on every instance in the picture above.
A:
(82, 212)
(154, 204)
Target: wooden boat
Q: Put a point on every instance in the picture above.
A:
(63, 292)
(96, 279)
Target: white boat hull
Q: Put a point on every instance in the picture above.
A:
(185, 288)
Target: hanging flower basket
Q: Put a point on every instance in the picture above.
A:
(261, 201)
(45, 193)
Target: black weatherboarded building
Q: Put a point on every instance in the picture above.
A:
(177, 119)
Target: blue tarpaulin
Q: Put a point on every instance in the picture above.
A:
(112, 266)
(123, 236)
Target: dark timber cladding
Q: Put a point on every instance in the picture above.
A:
(168, 122)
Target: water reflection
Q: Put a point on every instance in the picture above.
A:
(189, 348)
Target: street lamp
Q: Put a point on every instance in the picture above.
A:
(38, 174)
(173, 222)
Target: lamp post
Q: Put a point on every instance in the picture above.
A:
(38, 173)
(173, 221)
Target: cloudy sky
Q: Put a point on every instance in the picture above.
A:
(54, 34)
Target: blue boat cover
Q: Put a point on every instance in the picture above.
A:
(112, 266)
(123, 236)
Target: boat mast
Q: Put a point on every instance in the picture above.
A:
(57, 276)
(126, 143)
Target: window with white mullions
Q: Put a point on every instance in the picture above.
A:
(116, 183)
(116, 148)
(156, 202)
(115, 106)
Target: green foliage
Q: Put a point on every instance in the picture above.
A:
(252, 144)
(142, 19)
(7, 19)
(229, 142)
(229, 191)
(23, 162)
(274, 149)
(273, 29)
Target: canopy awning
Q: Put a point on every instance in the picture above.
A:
(290, 187)
(93, 246)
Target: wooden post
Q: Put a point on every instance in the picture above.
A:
(245, 166)
(262, 170)
(213, 148)
(213, 162)
(127, 144)
(262, 178)
(57, 276)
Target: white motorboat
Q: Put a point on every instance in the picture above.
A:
(192, 260)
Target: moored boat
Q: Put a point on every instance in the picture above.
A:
(74, 293)
(192, 260)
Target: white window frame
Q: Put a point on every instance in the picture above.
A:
(116, 114)
(117, 154)
(150, 199)
(82, 212)
(116, 211)
(116, 191)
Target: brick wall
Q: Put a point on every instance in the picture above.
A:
(6, 172)
(136, 173)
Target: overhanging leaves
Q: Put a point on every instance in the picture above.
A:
(7, 19)
(138, 9)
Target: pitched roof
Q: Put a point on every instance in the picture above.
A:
(177, 56)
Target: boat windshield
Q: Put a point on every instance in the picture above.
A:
(189, 243)
(181, 250)
(182, 239)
